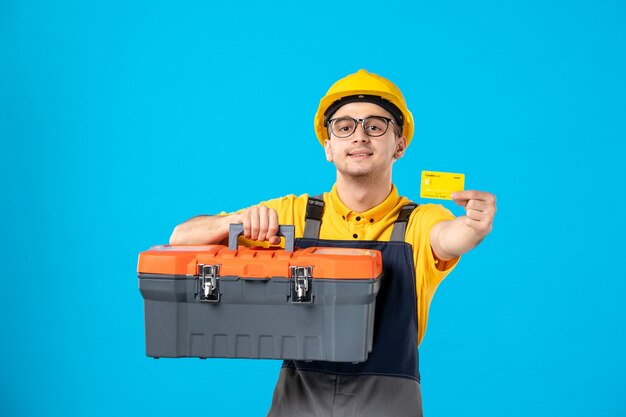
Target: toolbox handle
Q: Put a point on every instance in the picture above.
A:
(285, 230)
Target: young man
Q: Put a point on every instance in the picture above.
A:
(365, 126)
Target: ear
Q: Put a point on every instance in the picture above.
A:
(400, 147)
(328, 151)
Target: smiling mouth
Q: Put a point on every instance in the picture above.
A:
(360, 154)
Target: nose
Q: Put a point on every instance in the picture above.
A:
(359, 134)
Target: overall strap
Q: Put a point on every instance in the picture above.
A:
(315, 211)
(313, 219)
(399, 227)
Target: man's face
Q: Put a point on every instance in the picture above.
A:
(360, 155)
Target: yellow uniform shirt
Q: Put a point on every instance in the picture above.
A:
(340, 223)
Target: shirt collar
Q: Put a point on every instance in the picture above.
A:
(375, 213)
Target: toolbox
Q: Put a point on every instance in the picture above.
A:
(214, 301)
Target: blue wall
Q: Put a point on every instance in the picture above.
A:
(119, 120)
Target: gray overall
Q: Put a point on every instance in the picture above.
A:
(387, 384)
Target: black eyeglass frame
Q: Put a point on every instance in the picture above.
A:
(362, 122)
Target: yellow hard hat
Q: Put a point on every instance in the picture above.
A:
(364, 86)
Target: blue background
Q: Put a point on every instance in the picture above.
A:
(119, 120)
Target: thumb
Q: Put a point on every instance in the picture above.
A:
(456, 197)
(460, 201)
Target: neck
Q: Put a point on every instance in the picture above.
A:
(363, 193)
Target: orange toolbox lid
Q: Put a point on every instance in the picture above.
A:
(244, 262)
(262, 263)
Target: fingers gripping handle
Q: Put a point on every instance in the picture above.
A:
(236, 229)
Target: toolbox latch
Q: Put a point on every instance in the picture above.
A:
(301, 284)
(208, 283)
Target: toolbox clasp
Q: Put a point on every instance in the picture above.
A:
(208, 283)
(301, 284)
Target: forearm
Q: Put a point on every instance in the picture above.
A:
(203, 230)
(259, 223)
(454, 238)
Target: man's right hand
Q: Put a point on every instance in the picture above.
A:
(260, 223)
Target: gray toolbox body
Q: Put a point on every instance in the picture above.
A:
(211, 301)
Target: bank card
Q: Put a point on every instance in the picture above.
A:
(440, 185)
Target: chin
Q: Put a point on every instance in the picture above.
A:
(358, 174)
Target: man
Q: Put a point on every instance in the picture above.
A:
(365, 126)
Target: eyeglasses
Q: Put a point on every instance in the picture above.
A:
(374, 126)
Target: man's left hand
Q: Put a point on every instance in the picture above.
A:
(480, 209)
(452, 238)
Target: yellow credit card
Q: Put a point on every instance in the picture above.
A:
(440, 185)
